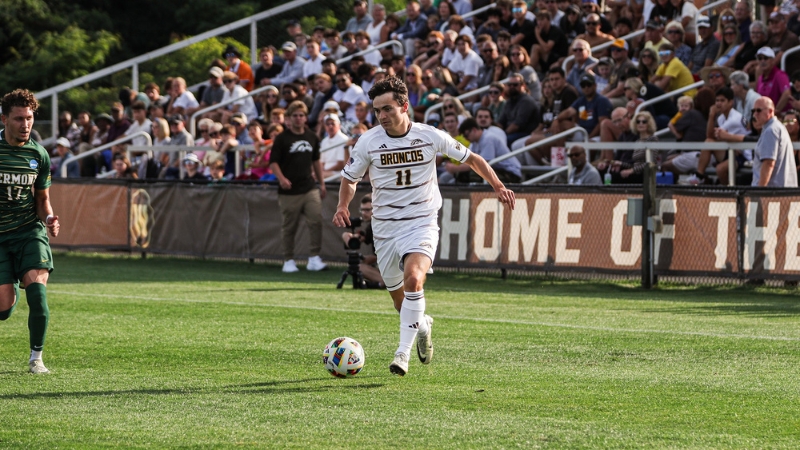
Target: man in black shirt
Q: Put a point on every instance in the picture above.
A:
(522, 30)
(269, 68)
(295, 153)
(550, 44)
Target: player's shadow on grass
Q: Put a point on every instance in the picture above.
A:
(271, 387)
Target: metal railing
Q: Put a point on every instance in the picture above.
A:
(133, 63)
(469, 94)
(474, 12)
(669, 94)
(99, 149)
(787, 53)
(375, 48)
(193, 118)
(602, 46)
(548, 140)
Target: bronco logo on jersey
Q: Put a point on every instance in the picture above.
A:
(388, 159)
(416, 142)
(301, 146)
(34, 164)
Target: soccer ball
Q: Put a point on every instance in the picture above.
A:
(343, 357)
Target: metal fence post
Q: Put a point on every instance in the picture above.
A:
(648, 212)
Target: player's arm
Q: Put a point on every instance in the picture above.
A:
(45, 211)
(347, 190)
(482, 168)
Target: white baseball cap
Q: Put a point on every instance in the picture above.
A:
(64, 142)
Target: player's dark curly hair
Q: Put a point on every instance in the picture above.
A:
(391, 84)
(19, 97)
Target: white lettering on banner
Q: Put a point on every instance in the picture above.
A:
(767, 234)
(488, 206)
(458, 227)
(668, 230)
(568, 230)
(526, 231)
(620, 257)
(792, 261)
(723, 211)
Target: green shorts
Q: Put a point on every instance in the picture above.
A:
(24, 250)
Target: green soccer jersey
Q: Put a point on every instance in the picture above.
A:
(22, 169)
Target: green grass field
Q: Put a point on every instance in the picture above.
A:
(184, 353)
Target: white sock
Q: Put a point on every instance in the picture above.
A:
(412, 315)
(36, 355)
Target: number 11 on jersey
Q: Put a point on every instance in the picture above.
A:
(400, 173)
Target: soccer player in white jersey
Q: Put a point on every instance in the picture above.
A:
(400, 157)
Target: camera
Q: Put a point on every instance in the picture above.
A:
(355, 242)
(354, 258)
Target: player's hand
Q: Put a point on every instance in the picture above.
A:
(285, 183)
(342, 217)
(506, 197)
(52, 225)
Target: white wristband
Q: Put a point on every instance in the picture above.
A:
(48, 219)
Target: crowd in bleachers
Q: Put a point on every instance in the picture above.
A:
(539, 62)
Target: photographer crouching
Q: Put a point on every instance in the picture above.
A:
(366, 266)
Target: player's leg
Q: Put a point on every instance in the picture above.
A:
(412, 309)
(9, 286)
(34, 260)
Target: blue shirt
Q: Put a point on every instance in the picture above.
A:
(590, 111)
(775, 143)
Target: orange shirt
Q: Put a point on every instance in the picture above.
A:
(245, 73)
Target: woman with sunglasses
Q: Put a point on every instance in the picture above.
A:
(729, 46)
(233, 90)
(454, 105)
(495, 101)
(630, 169)
(724, 19)
(269, 101)
(502, 67)
(521, 64)
(676, 36)
(648, 64)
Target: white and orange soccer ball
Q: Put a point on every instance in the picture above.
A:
(343, 357)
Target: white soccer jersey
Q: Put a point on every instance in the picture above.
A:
(402, 171)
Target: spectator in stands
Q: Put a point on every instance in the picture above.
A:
(688, 125)
(503, 42)
(522, 28)
(791, 120)
(324, 90)
(793, 22)
(520, 115)
(257, 163)
(729, 46)
(179, 136)
(233, 90)
(289, 93)
(335, 48)
(495, 102)
(122, 168)
(295, 154)
(431, 53)
(745, 95)
(465, 65)
(592, 7)
(214, 134)
(415, 27)
(639, 91)
(364, 44)
(217, 170)
(631, 171)
(444, 11)
(572, 24)
(590, 109)
(790, 99)
(615, 91)
(773, 161)
(239, 67)
(602, 72)
(654, 38)
(118, 127)
(270, 100)
(293, 28)
(160, 160)
(333, 154)
(153, 92)
(615, 130)
(781, 39)
(68, 129)
(277, 116)
(675, 35)
(160, 132)
(520, 63)
(460, 26)
(87, 131)
(183, 99)
(489, 146)
(378, 21)
(292, 66)
(268, 68)
(672, 74)
(103, 123)
(211, 95)
(203, 139)
(705, 52)
(300, 41)
(728, 119)
(741, 11)
(128, 96)
(581, 173)
(492, 24)
(361, 20)
(349, 42)
(724, 19)
(648, 64)
(686, 14)
(140, 124)
(583, 59)
(550, 43)
(227, 141)
(416, 88)
(485, 120)
(745, 58)
(347, 95)
(772, 81)
(191, 166)
(594, 36)
(65, 156)
(313, 64)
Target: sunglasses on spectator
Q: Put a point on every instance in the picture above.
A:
(577, 49)
(762, 58)
(341, 80)
(587, 84)
(204, 130)
(591, 24)
(214, 134)
(494, 92)
(516, 10)
(487, 50)
(726, 18)
(729, 33)
(574, 155)
(641, 122)
(449, 107)
(228, 81)
(759, 110)
(512, 84)
(663, 53)
(674, 31)
(715, 75)
(647, 55)
(790, 122)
